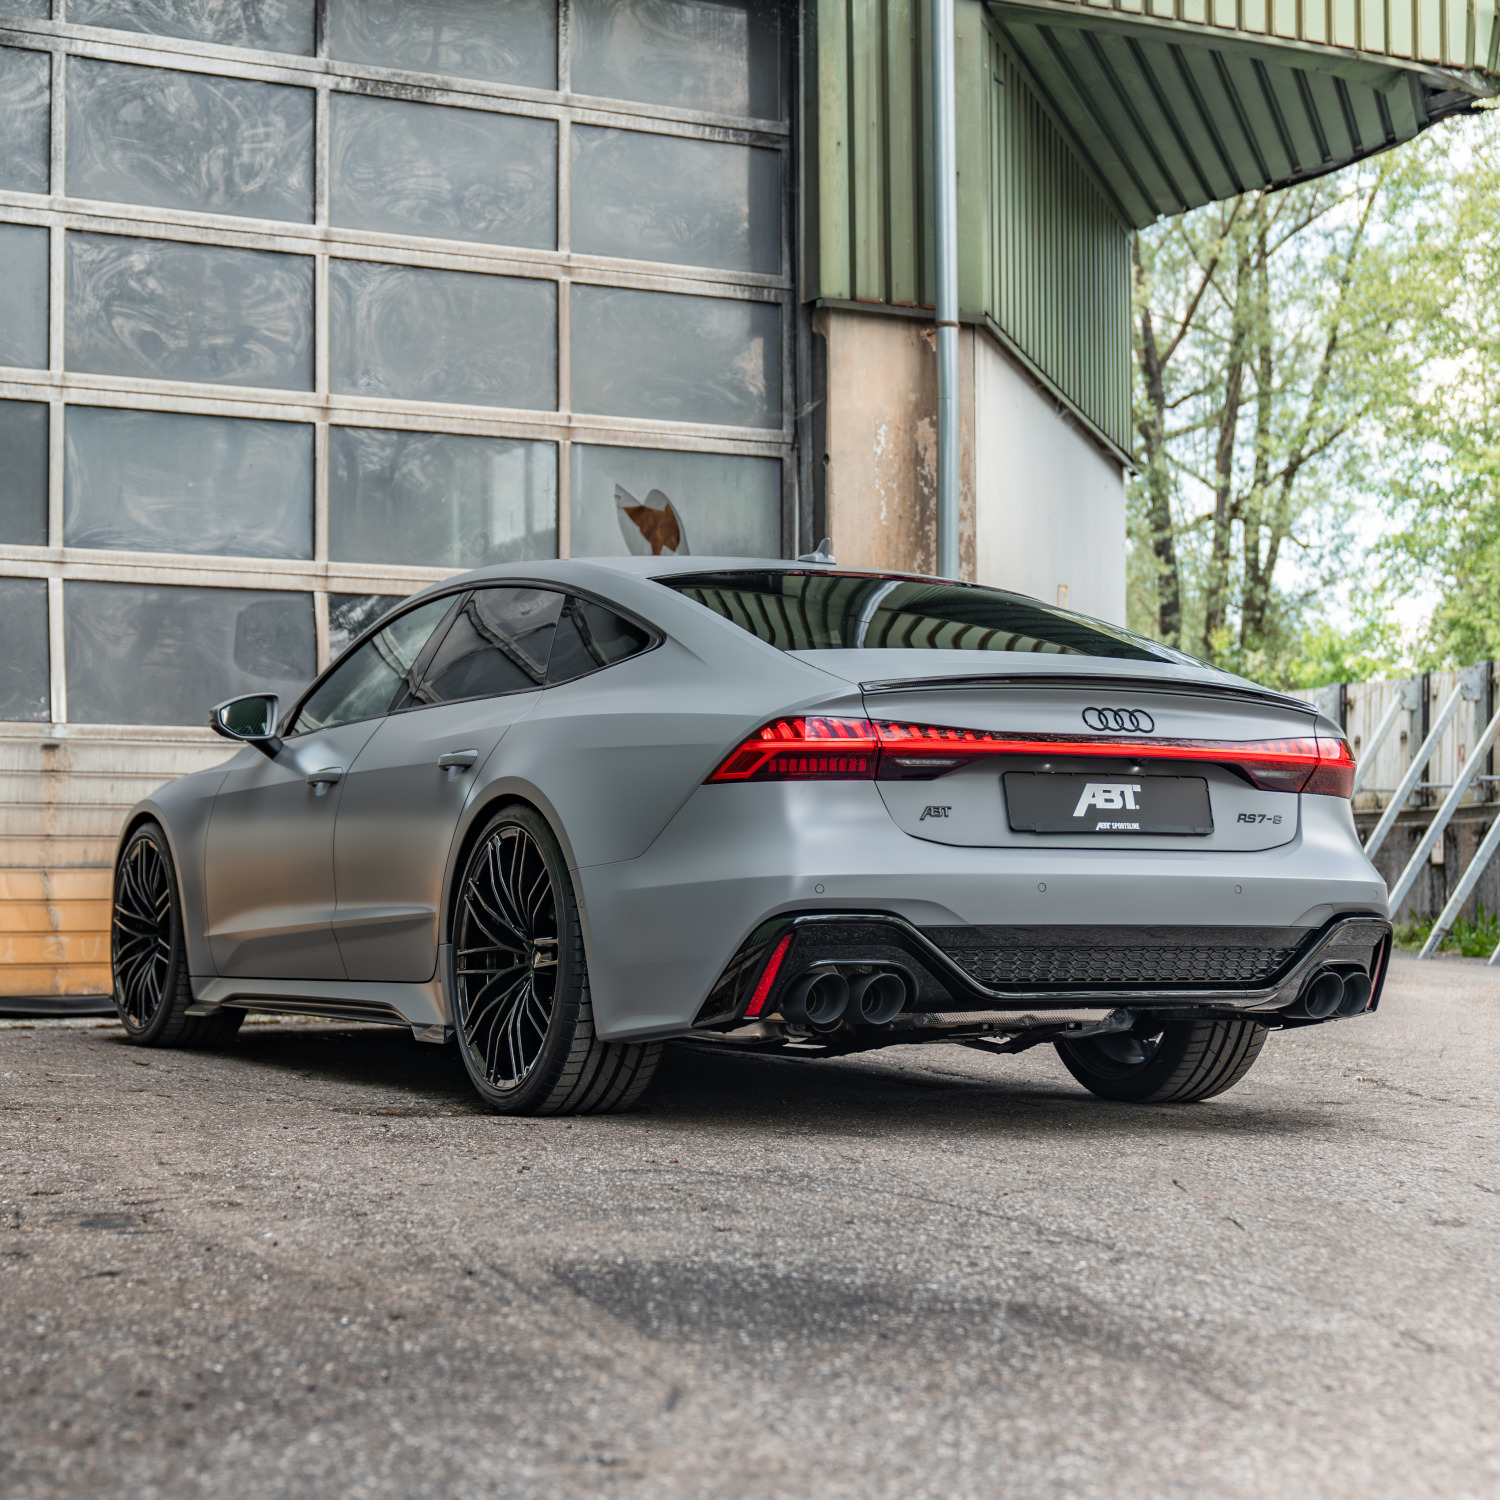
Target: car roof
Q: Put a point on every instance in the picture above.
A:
(661, 567)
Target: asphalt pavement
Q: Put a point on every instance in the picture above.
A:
(310, 1267)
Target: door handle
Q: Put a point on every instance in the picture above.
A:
(455, 762)
(320, 781)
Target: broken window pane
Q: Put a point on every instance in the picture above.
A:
(23, 473)
(25, 120)
(665, 198)
(504, 41)
(424, 335)
(268, 25)
(677, 358)
(24, 694)
(23, 295)
(189, 140)
(166, 482)
(687, 54)
(439, 500)
(170, 311)
(647, 502)
(456, 174)
(162, 654)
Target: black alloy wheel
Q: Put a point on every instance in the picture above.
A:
(519, 985)
(505, 959)
(148, 954)
(1165, 1061)
(144, 934)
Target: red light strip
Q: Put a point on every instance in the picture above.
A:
(827, 748)
(768, 978)
(927, 738)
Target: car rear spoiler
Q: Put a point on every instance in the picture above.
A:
(1118, 681)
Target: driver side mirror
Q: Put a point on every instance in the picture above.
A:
(251, 720)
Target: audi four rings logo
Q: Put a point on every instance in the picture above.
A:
(1136, 720)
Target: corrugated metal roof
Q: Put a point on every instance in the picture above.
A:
(1446, 33)
(1172, 115)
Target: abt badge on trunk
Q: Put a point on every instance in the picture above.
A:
(1107, 794)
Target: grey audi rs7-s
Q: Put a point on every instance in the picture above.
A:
(561, 812)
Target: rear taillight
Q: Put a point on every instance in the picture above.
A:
(837, 749)
(811, 749)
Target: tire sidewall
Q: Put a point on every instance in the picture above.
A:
(1143, 1085)
(572, 980)
(177, 966)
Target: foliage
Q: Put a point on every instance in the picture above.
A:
(1476, 939)
(1439, 466)
(1307, 360)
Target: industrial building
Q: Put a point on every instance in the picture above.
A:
(306, 303)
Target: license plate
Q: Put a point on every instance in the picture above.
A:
(1045, 802)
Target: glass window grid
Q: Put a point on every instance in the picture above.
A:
(324, 241)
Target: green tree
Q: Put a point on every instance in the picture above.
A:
(1439, 469)
(1270, 337)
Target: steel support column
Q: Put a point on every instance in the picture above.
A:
(945, 241)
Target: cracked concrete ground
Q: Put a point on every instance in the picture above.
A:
(309, 1267)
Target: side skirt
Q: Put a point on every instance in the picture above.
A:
(419, 1006)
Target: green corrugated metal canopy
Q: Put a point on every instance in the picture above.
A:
(1173, 114)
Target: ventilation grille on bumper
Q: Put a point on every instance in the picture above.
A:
(1038, 958)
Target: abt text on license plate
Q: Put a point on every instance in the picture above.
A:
(1046, 802)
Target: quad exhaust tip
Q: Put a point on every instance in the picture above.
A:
(823, 999)
(877, 999)
(1332, 994)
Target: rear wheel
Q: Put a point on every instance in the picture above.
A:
(520, 990)
(1165, 1062)
(148, 954)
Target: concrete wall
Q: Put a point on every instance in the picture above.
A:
(881, 472)
(1042, 507)
(1050, 504)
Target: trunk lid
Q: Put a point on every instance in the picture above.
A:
(1135, 800)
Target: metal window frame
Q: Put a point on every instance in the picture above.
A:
(324, 242)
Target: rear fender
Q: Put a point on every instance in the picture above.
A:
(183, 808)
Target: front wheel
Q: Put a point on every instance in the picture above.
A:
(1165, 1062)
(148, 954)
(520, 989)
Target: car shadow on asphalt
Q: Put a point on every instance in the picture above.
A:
(705, 1087)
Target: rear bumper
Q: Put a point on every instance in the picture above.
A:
(945, 993)
(662, 928)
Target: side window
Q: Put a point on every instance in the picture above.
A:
(365, 683)
(590, 637)
(499, 643)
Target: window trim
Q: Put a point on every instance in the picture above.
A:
(657, 638)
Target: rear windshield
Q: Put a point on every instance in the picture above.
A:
(853, 611)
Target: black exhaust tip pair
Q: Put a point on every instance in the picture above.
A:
(823, 998)
(1332, 994)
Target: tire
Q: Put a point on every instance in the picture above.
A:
(148, 953)
(1171, 1062)
(519, 988)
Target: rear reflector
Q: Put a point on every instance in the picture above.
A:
(829, 749)
(768, 977)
